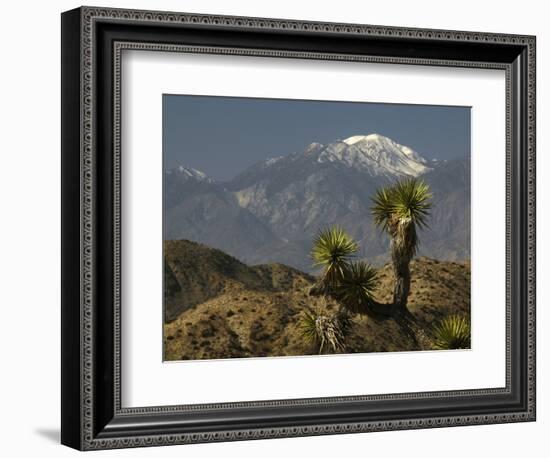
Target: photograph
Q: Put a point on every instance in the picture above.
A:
(314, 227)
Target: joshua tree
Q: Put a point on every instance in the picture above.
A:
(332, 249)
(350, 283)
(401, 209)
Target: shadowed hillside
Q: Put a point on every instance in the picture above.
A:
(218, 307)
(195, 273)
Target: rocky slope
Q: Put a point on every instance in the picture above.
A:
(195, 273)
(230, 310)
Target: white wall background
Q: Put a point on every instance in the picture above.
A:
(30, 240)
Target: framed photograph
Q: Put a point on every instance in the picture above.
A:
(276, 228)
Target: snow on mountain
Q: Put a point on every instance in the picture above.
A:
(273, 160)
(190, 173)
(355, 139)
(376, 154)
(313, 148)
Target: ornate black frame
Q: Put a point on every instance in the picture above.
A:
(92, 42)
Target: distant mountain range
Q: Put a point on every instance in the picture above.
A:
(272, 210)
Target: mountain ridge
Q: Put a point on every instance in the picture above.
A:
(271, 210)
(195, 273)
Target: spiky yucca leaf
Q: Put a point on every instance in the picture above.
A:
(406, 199)
(333, 248)
(307, 326)
(322, 330)
(452, 333)
(411, 199)
(356, 287)
(383, 207)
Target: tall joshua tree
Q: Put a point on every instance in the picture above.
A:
(400, 210)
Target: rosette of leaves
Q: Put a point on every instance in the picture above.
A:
(452, 333)
(332, 249)
(356, 288)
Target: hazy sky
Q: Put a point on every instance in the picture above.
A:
(221, 136)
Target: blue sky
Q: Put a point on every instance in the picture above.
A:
(222, 136)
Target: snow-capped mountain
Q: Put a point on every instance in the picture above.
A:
(272, 210)
(375, 154)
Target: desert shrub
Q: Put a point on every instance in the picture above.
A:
(452, 333)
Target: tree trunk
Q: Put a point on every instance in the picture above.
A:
(344, 317)
(403, 245)
(402, 284)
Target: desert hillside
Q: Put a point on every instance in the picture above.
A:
(218, 307)
(195, 273)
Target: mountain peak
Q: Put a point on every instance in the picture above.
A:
(376, 154)
(313, 148)
(360, 138)
(272, 160)
(191, 173)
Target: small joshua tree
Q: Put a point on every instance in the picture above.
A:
(333, 249)
(400, 210)
(351, 284)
